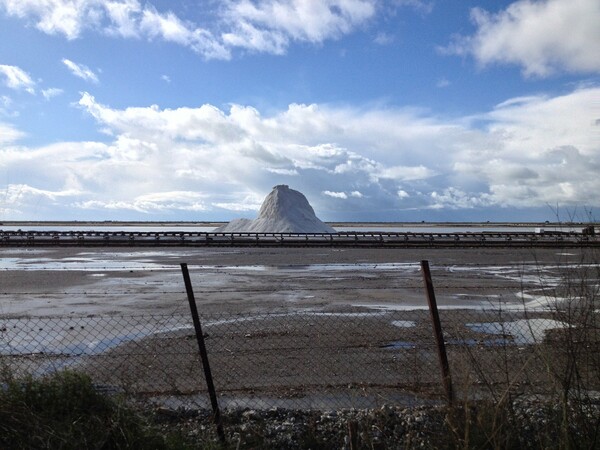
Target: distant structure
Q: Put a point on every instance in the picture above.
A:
(590, 230)
(284, 210)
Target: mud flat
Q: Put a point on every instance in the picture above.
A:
(71, 281)
(307, 324)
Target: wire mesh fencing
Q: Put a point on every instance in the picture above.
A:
(311, 360)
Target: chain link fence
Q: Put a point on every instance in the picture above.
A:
(312, 360)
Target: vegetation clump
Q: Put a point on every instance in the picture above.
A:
(65, 411)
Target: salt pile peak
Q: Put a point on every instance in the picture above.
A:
(284, 210)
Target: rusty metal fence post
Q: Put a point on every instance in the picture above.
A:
(203, 354)
(437, 331)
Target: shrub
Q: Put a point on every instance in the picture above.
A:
(64, 411)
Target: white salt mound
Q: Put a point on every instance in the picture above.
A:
(283, 211)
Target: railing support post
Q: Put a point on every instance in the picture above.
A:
(437, 331)
(203, 354)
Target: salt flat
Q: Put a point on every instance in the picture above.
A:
(350, 316)
(110, 281)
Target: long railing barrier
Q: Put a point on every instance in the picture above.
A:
(342, 239)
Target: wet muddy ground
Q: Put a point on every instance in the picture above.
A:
(326, 327)
(59, 282)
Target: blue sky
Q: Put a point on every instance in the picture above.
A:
(395, 110)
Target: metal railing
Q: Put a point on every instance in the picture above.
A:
(342, 239)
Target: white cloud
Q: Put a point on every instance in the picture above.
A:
(270, 25)
(403, 173)
(67, 17)
(15, 198)
(166, 26)
(208, 162)
(383, 38)
(526, 134)
(151, 203)
(281, 171)
(238, 207)
(341, 195)
(239, 201)
(9, 134)
(5, 104)
(153, 24)
(536, 147)
(123, 17)
(16, 78)
(261, 26)
(81, 71)
(542, 37)
(452, 198)
(442, 83)
(51, 92)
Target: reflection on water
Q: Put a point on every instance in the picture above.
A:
(80, 337)
(108, 261)
(101, 264)
(399, 345)
(316, 268)
(322, 401)
(525, 331)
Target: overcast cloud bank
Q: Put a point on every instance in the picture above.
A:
(525, 153)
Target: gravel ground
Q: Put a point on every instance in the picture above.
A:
(527, 423)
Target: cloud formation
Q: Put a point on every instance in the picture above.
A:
(543, 37)
(269, 26)
(9, 134)
(259, 26)
(207, 162)
(81, 71)
(516, 35)
(16, 78)
(51, 92)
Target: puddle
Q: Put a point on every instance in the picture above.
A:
(409, 267)
(24, 251)
(90, 261)
(321, 401)
(72, 338)
(499, 342)
(421, 307)
(406, 345)
(404, 323)
(79, 264)
(399, 345)
(530, 302)
(469, 296)
(546, 275)
(348, 314)
(524, 331)
(302, 314)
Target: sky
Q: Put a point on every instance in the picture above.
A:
(376, 110)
